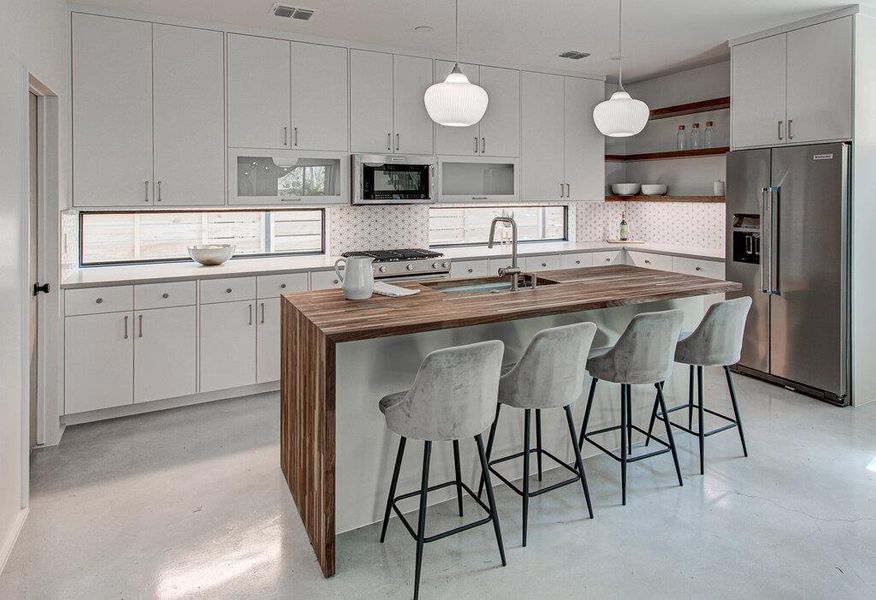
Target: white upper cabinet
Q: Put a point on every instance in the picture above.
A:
(584, 144)
(319, 97)
(820, 82)
(543, 136)
(259, 92)
(387, 113)
(793, 87)
(758, 75)
(371, 101)
(189, 112)
(500, 127)
(112, 111)
(413, 128)
(457, 141)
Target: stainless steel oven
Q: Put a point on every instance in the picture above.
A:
(393, 179)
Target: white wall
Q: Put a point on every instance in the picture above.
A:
(35, 40)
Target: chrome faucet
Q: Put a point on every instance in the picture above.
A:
(514, 271)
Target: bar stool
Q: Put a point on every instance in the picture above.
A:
(642, 355)
(453, 397)
(716, 342)
(548, 375)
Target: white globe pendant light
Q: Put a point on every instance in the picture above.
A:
(456, 102)
(621, 115)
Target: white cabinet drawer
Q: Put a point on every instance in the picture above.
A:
(543, 263)
(574, 261)
(89, 301)
(647, 260)
(323, 280)
(161, 295)
(693, 266)
(471, 268)
(608, 257)
(227, 290)
(271, 286)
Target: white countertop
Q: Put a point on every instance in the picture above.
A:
(158, 272)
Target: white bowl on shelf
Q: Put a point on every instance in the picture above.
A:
(625, 189)
(653, 189)
(211, 254)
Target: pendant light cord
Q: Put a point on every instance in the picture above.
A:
(620, 62)
(456, 17)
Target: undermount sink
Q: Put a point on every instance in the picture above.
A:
(485, 284)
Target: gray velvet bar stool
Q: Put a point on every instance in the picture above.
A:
(716, 342)
(548, 375)
(642, 355)
(453, 397)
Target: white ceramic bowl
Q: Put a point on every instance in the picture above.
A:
(211, 254)
(625, 189)
(653, 189)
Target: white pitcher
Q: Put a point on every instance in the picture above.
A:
(358, 277)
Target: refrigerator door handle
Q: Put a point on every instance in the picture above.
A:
(775, 271)
(764, 256)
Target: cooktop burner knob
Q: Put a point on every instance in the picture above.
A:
(446, 265)
(382, 269)
(410, 267)
(436, 265)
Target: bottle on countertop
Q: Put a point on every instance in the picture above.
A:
(708, 134)
(681, 138)
(696, 140)
(624, 228)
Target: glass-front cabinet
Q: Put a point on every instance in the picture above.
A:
(287, 177)
(476, 179)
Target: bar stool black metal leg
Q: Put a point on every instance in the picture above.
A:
(623, 448)
(526, 421)
(395, 472)
(690, 404)
(538, 440)
(491, 501)
(735, 409)
(490, 445)
(458, 472)
(421, 527)
(652, 421)
(578, 461)
(669, 439)
(629, 421)
(701, 427)
(587, 412)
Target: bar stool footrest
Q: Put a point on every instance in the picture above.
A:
(449, 532)
(542, 490)
(666, 447)
(662, 417)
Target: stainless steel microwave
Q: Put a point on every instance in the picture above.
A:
(393, 179)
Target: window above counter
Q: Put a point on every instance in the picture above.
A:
(471, 225)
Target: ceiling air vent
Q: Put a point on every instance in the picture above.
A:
(574, 54)
(290, 12)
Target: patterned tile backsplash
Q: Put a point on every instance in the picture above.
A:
(682, 223)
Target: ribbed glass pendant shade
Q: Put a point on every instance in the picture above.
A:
(621, 116)
(456, 102)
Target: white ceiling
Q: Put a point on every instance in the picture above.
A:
(659, 35)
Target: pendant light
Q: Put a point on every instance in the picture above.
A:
(456, 102)
(621, 116)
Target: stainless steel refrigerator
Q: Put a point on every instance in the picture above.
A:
(788, 244)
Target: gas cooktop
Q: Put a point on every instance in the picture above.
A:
(395, 255)
(406, 262)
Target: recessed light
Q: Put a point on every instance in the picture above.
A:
(424, 28)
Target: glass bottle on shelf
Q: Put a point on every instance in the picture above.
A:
(681, 139)
(708, 134)
(624, 232)
(696, 141)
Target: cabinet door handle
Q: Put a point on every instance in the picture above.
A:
(483, 145)
(140, 325)
(780, 130)
(389, 141)
(263, 313)
(159, 191)
(790, 135)
(126, 326)
(397, 141)
(250, 314)
(476, 144)
(568, 191)
(295, 136)
(146, 184)
(285, 136)
(562, 190)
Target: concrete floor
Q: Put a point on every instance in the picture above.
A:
(190, 503)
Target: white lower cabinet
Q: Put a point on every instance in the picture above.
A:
(549, 262)
(323, 280)
(98, 361)
(165, 353)
(648, 260)
(268, 341)
(703, 268)
(575, 261)
(470, 268)
(608, 257)
(227, 345)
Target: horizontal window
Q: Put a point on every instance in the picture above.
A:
(131, 237)
(471, 225)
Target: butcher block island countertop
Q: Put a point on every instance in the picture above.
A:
(340, 356)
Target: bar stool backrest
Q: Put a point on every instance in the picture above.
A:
(453, 396)
(717, 340)
(645, 350)
(551, 372)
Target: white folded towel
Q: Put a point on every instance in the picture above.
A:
(394, 291)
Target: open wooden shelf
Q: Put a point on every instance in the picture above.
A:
(690, 108)
(643, 198)
(669, 154)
